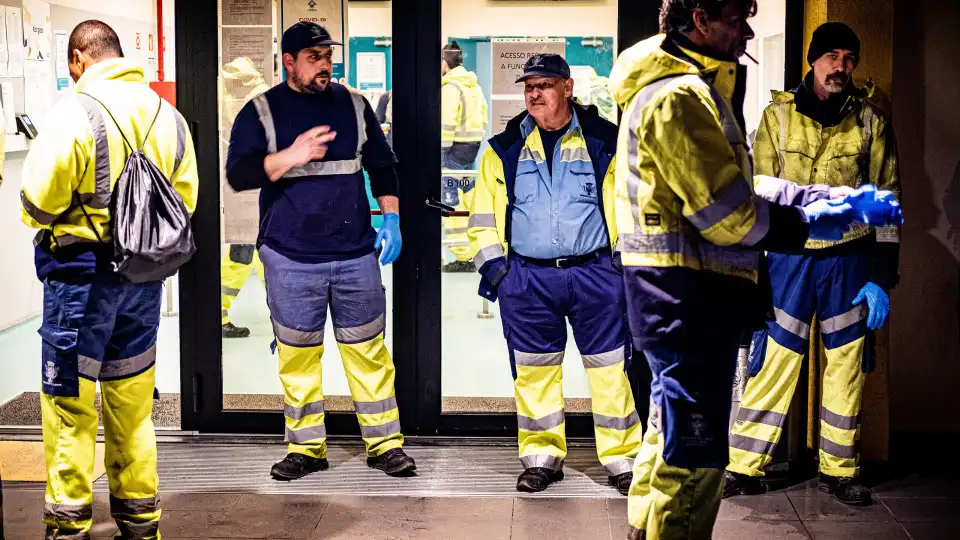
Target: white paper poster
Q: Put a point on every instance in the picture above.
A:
(9, 113)
(62, 61)
(330, 14)
(4, 54)
(15, 49)
(37, 30)
(247, 13)
(37, 90)
(372, 72)
(509, 55)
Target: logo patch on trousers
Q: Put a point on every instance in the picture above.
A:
(50, 373)
(651, 220)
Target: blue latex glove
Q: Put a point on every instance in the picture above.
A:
(388, 240)
(878, 303)
(829, 219)
(875, 207)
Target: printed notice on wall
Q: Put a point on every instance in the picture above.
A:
(241, 210)
(9, 112)
(15, 50)
(37, 29)
(330, 14)
(247, 13)
(372, 72)
(249, 45)
(509, 55)
(503, 110)
(4, 50)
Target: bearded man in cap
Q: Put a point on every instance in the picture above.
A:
(829, 133)
(305, 144)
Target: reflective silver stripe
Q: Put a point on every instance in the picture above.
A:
(266, 119)
(181, 139)
(448, 127)
(379, 432)
(538, 359)
(838, 421)
(769, 418)
(737, 193)
(138, 531)
(68, 534)
(542, 461)
(549, 421)
(761, 224)
(95, 200)
(457, 230)
(482, 220)
(71, 513)
(782, 117)
(37, 214)
(364, 332)
(713, 256)
(297, 338)
(359, 105)
(609, 358)
(528, 154)
(375, 407)
(890, 234)
(618, 467)
(325, 168)
(101, 168)
(791, 324)
(844, 320)
(470, 134)
(461, 130)
(834, 449)
(487, 254)
(612, 422)
(297, 413)
(229, 291)
(866, 116)
(675, 242)
(752, 445)
(305, 435)
(118, 369)
(224, 313)
(574, 154)
(69, 239)
(132, 506)
(88, 367)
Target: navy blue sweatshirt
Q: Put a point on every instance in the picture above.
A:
(313, 219)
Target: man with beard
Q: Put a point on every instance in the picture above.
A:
(827, 132)
(305, 143)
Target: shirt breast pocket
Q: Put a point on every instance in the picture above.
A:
(584, 187)
(527, 186)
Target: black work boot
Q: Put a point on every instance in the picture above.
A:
(297, 466)
(845, 489)
(230, 331)
(536, 479)
(741, 484)
(621, 482)
(393, 462)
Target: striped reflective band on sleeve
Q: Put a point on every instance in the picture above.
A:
(35, 212)
(362, 333)
(488, 254)
(549, 421)
(792, 324)
(538, 359)
(482, 220)
(761, 224)
(838, 420)
(612, 422)
(266, 119)
(297, 338)
(297, 413)
(845, 320)
(736, 194)
(229, 291)
(101, 167)
(128, 367)
(181, 139)
(375, 407)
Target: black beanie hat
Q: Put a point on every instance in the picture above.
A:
(831, 36)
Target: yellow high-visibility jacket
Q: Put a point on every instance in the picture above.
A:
(80, 160)
(861, 149)
(463, 108)
(489, 225)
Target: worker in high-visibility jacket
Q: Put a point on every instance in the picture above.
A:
(96, 325)
(305, 144)
(542, 244)
(826, 132)
(463, 123)
(691, 235)
(241, 82)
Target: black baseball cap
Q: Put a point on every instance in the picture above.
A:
(304, 35)
(545, 65)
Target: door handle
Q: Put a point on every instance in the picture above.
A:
(445, 210)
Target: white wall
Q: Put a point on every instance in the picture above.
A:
(770, 21)
(461, 18)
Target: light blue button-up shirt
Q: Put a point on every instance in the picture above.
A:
(556, 215)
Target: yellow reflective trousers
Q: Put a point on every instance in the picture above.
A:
(234, 271)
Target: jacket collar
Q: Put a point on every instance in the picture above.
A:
(114, 69)
(529, 124)
(588, 118)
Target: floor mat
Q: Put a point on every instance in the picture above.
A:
(22, 461)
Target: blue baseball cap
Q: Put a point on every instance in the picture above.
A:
(545, 65)
(304, 35)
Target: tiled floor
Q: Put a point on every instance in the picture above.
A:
(914, 507)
